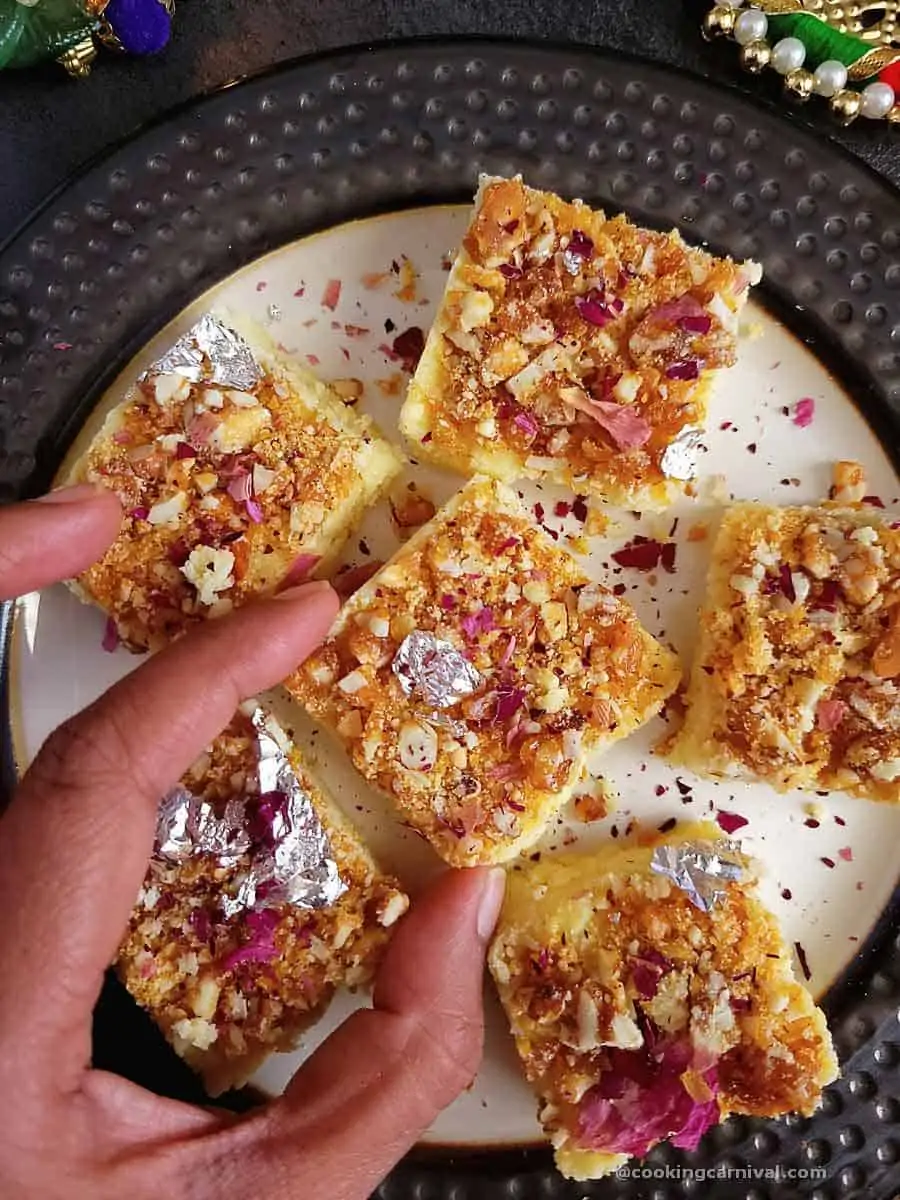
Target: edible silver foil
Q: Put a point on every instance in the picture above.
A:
(230, 360)
(700, 868)
(434, 670)
(679, 459)
(297, 868)
(187, 825)
(572, 261)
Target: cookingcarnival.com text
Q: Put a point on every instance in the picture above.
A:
(773, 1174)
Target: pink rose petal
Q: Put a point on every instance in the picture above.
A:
(804, 411)
(332, 294)
(240, 486)
(730, 822)
(627, 429)
(829, 714)
(478, 622)
(110, 636)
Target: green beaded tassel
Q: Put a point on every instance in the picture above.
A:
(821, 41)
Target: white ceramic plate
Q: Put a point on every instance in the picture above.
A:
(830, 873)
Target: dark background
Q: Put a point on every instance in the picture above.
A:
(50, 124)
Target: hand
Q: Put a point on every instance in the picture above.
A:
(74, 846)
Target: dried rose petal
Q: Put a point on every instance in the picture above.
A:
(509, 701)
(786, 582)
(201, 428)
(673, 312)
(829, 596)
(526, 422)
(642, 1100)
(687, 368)
(261, 819)
(730, 822)
(510, 271)
(626, 427)
(509, 651)
(697, 324)
(141, 513)
(261, 947)
(594, 308)
(479, 622)
(647, 969)
(581, 244)
(804, 411)
(185, 450)
(179, 552)
(829, 714)
(332, 294)
(201, 923)
(240, 486)
(111, 637)
(254, 512)
(408, 347)
(579, 251)
(643, 554)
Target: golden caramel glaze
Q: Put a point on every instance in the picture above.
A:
(227, 494)
(565, 668)
(557, 351)
(795, 682)
(226, 1014)
(597, 958)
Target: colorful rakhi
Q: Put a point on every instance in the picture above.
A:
(70, 31)
(847, 53)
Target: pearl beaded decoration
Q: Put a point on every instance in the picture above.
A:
(830, 77)
(788, 55)
(811, 36)
(751, 26)
(876, 101)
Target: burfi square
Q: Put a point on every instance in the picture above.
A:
(229, 981)
(573, 347)
(796, 674)
(646, 1011)
(472, 675)
(237, 469)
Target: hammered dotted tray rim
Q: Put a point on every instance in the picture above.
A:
(117, 251)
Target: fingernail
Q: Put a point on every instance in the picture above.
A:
(75, 494)
(491, 900)
(304, 590)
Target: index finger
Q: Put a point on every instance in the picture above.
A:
(55, 537)
(75, 842)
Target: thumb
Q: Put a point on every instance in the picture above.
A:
(369, 1092)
